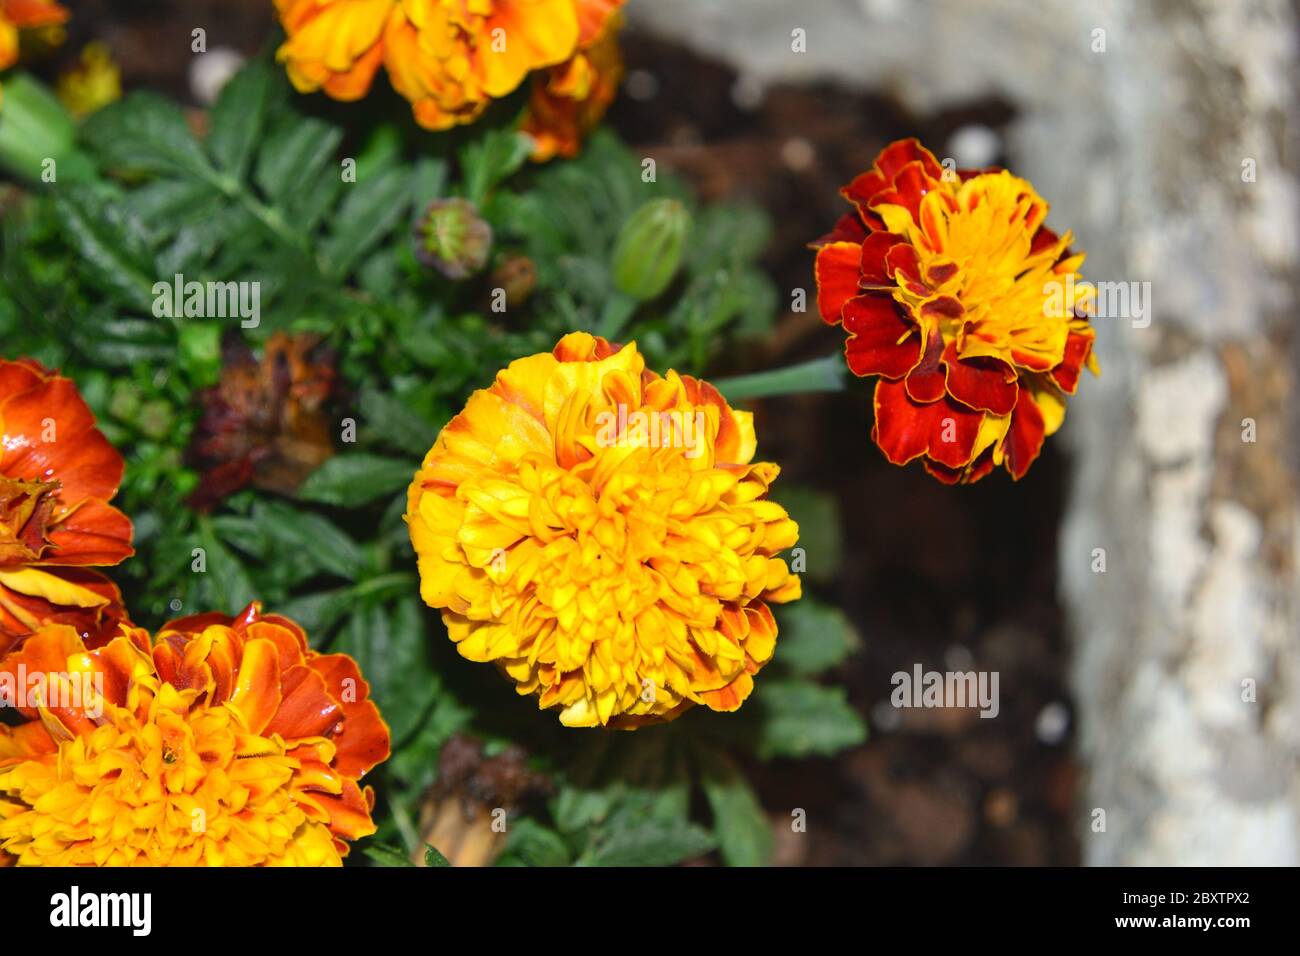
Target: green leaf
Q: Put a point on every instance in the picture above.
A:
(356, 478)
(165, 203)
(491, 158)
(415, 762)
(743, 832)
(314, 537)
(390, 649)
(728, 233)
(145, 133)
(820, 528)
(227, 585)
(433, 858)
(102, 238)
(237, 119)
(375, 203)
(385, 855)
(318, 612)
(653, 842)
(118, 343)
(293, 156)
(813, 637)
(199, 352)
(531, 844)
(581, 801)
(428, 180)
(620, 780)
(401, 428)
(801, 719)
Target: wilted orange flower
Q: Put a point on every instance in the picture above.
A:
(57, 475)
(227, 742)
(18, 15)
(570, 99)
(450, 58)
(953, 291)
(265, 423)
(600, 532)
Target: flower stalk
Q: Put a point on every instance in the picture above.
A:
(825, 374)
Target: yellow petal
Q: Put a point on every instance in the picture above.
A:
(35, 582)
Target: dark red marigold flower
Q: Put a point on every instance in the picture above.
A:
(970, 310)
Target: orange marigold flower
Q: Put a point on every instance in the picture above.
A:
(953, 291)
(570, 99)
(600, 532)
(18, 15)
(450, 58)
(224, 742)
(57, 475)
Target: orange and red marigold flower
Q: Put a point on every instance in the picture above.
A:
(968, 308)
(602, 534)
(57, 475)
(223, 742)
(449, 58)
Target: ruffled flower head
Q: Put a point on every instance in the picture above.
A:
(602, 534)
(223, 742)
(968, 308)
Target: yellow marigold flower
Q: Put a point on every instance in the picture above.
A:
(18, 15)
(93, 83)
(601, 534)
(450, 58)
(225, 742)
(570, 99)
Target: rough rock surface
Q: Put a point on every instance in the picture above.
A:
(1163, 143)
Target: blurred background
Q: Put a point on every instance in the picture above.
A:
(1163, 690)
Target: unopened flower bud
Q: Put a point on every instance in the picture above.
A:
(452, 238)
(649, 248)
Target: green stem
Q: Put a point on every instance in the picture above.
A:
(618, 309)
(405, 826)
(819, 375)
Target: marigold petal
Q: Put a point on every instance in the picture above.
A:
(984, 384)
(906, 430)
(1024, 440)
(925, 382)
(257, 693)
(837, 272)
(93, 533)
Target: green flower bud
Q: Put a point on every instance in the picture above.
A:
(37, 135)
(649, 248)
(452, 238)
